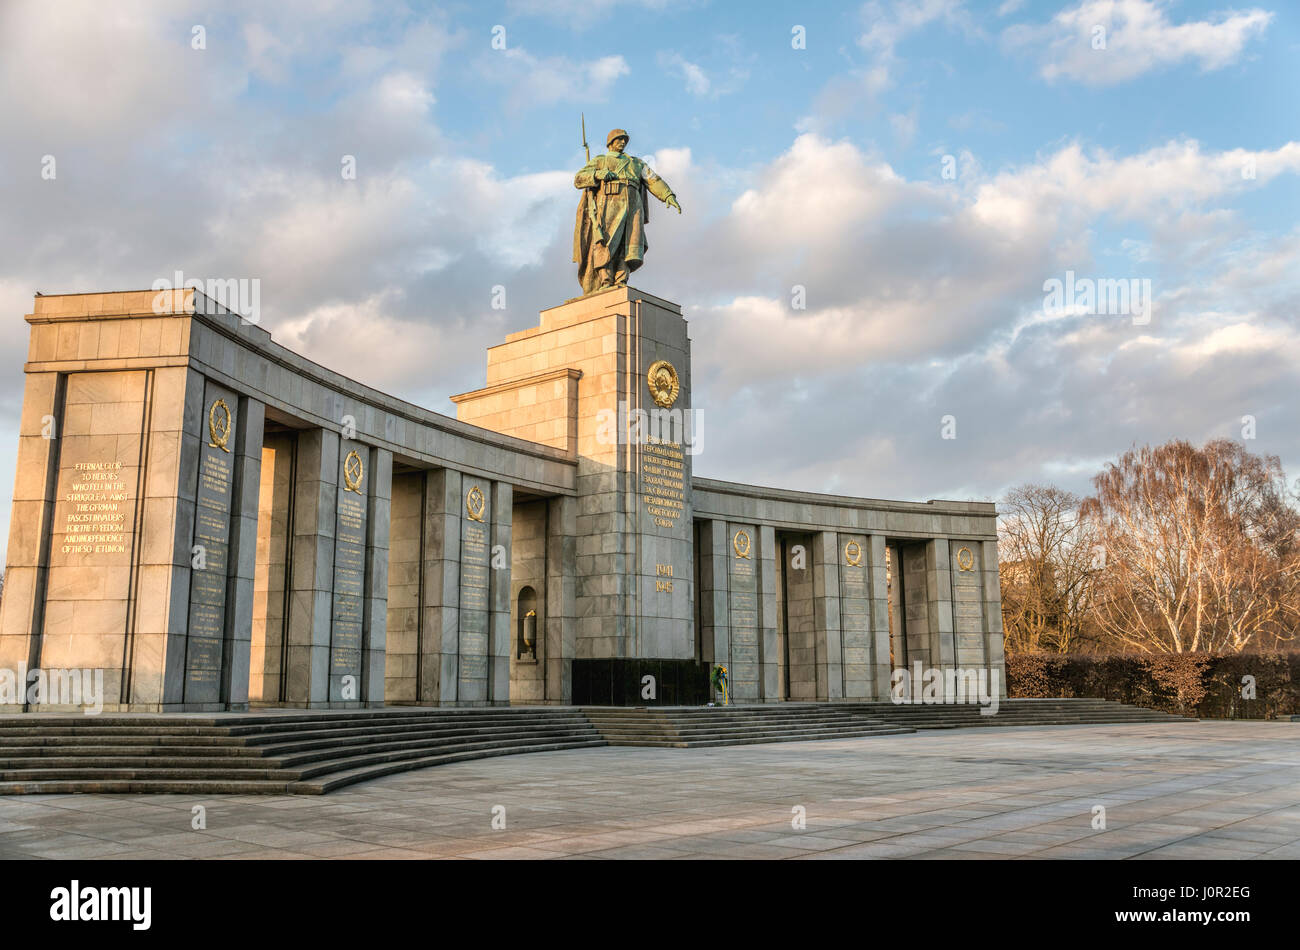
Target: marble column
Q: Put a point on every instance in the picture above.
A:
(475, 636)
(938, 596)
(826, 614)
(994, 655)
(499, 558)
(375, 602)
(561, 614)
(878, 586)
(712, 550)
(312, 602)
(768, 636)
(242, 561)
(30, 522)
(854, 558)
(440, 632)
(743, 611)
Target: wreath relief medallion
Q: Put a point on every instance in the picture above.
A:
(965, 560)
(741, 544)
(663, 382)
(353, 472)
(475, 503)
(853, 554)
(219, 426)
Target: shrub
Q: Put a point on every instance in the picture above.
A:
(1205, 685)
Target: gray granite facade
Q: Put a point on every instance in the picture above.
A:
(219, 523)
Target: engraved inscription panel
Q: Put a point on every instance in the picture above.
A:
(475, 553)
(744, 672)
(663, 486)
(968, 603)
(349, 587)
(207, 621)
(93, 526)
(855, 624)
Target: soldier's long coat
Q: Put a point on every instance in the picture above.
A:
(610, 223)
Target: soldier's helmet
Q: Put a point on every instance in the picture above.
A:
(615, 134)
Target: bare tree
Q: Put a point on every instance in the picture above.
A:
(1047, 556)
(1200, 548)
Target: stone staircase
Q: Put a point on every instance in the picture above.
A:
(311, 753)
(1015, 712)
(305, 753)
(684, 727)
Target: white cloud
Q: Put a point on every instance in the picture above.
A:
(858, 89)
(1157, 183)
(697, 81)
(1138, 37)
(541, 80)
(924, 297)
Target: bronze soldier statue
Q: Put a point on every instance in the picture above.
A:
(609, 239)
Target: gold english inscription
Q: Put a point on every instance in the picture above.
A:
(96, 521)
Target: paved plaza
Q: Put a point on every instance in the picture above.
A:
(1176, 790)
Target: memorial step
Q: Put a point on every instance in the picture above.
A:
(313, 752)
(761, 739)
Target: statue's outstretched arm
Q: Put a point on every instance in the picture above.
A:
(659, 188)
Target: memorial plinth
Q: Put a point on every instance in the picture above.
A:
(607, 377)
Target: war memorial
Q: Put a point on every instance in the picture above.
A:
(218, 523)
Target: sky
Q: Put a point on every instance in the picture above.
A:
(878, 198)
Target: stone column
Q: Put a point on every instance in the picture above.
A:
(475, 636)
(713, 594)
(994, 655)
(30, 522)
(878, 587)
(499, 632)
(375, 603)
(826, 614)
(938, 596)
(914, 606)
(742, 612)
(561, 615)
(854, 558)
(311, 605)
(440, 634)
(243, 552)
(172, 599)
(769, 640)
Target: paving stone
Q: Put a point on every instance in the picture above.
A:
(945, 795)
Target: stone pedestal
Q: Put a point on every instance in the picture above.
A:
(581, 380)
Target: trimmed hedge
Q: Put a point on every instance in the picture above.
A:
(1205, 685)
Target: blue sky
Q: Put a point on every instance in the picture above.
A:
(818, 167)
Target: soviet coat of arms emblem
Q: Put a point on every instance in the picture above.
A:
(664, 385)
